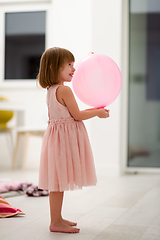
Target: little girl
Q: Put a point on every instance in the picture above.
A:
(66, 156)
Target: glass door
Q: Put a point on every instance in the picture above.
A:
(144, 84)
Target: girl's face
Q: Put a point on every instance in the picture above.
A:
(66, 72)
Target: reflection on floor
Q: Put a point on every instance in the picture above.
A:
(148, 159)
(118, 208)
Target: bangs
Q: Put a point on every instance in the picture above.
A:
(68, 56)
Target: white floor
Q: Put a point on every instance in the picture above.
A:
(118, 208)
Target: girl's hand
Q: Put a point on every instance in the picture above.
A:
(102, 113)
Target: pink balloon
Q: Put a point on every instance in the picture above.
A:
(97, 80)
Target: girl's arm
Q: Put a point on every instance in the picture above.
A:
(65, 94)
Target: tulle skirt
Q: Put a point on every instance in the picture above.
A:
(66, 157)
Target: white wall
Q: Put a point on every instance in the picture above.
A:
(106, 39)
(81, 26)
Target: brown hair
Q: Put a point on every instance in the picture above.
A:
(51, 61)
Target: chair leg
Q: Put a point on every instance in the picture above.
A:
(16, 151)
(9, 141)
(26, 138)
(12, 145)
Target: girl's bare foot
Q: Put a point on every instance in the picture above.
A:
(69, 223)
(63, 227)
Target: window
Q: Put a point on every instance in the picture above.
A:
(24, 44)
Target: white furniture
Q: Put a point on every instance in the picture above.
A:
(19, 113)
(22, 131)
(8, 133)
(25, 132)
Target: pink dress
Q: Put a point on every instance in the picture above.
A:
(66, 157)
